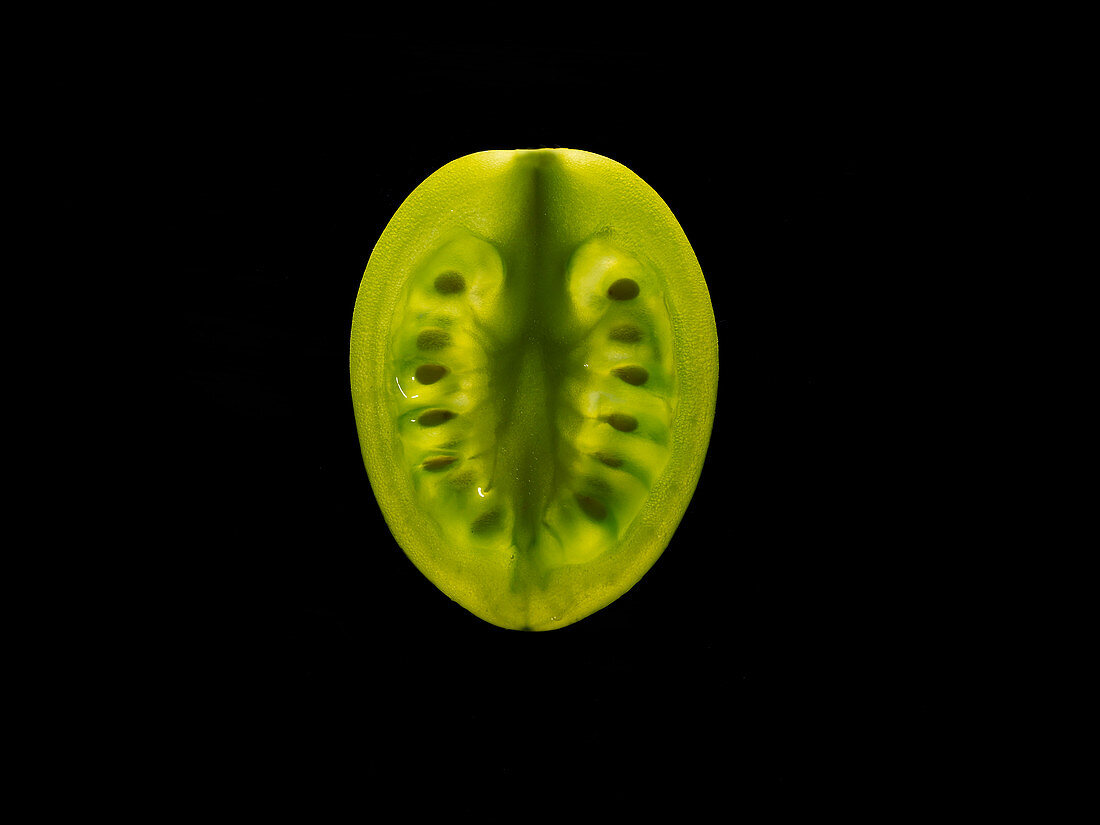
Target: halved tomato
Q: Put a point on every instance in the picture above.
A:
(534, 368)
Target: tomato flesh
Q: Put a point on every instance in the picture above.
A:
(534, 370)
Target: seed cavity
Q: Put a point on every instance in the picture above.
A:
(460, 481)
(625, 332)
(623, 289)
(433, 339)
(439, 462)
(632, 375)
(593, 508)
(622, 422)
(485, 522)
(433, 418)
(450, 283)
(430, 373)
(608, 460)
(597, 484)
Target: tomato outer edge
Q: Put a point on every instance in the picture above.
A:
(599, 583)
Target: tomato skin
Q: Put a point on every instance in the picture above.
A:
(535, 205)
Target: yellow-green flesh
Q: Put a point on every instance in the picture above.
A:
(534, 368)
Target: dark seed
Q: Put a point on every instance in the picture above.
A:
(439, 462)
(593, 508)
(433, 418)
(433, 339)
(430, 373)
(608, 459)
(461, 481)
(623, 423)
(597, 484)
(623, 290)
(632, 375)
(485, 522)
(625, 332)
(450, 283)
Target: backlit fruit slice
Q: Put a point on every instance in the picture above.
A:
(534, 367)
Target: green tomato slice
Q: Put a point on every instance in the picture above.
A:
(534, 369)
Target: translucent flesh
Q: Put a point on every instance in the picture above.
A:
(531, 332)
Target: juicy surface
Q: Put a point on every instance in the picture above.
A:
(534, 370)
(549, 422)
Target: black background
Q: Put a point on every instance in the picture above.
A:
(756, 663)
